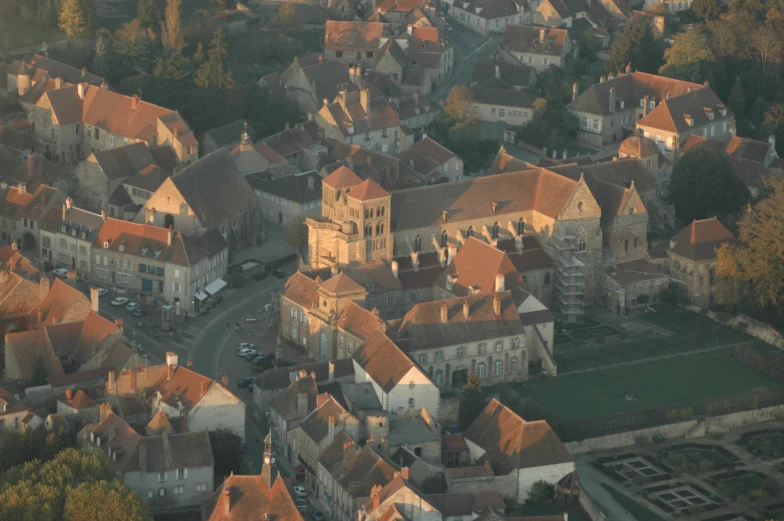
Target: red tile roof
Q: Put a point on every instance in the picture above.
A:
(699, 240)
(341, 178)
(246, 498)
(368, 190)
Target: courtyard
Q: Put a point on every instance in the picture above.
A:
(715, 478)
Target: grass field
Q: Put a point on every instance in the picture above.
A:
(691, 332)
(685, 380)
(14, 35)
(639, 512)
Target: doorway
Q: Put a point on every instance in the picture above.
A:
(459, 377)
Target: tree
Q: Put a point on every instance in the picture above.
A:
(636, 45)
(773, 123)
(198, 56)
(289, 19)
(296, 235)
(703, 185)
(104, 500)
(706, 9)
(759, 258)
(99, 61)
(541, 492)
(472, 402)
(766, 47)
(148, 13)
(737, 98)
(212, 74)
(72, 20)
(689, 57)
(170, 30)
(457, 114)
(41, 491)
(229, 453)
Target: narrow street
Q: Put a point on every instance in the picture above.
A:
(470, 48)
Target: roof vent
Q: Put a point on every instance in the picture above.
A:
(494, 206)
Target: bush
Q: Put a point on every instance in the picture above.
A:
(541, 492)
(641, 439)
(742, 325)
(673, 296)
(658, 438)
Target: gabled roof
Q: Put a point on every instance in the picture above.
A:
(214, 189)
(383, 360)
(511, 443)
(17, 140)
(426, 155)
(358, 36)
(122, 162)
(149, 178)
(490, 9)
(376, 275)
(229, 135)
(316, 425)
(517, 75)
(300, 188)
(477, 264)
(301, 289)
(286, 403)
(341, 284)
(699, 240)
(534, 40)
(245, 498)
(701, 107)
(54, 69)
(343, 177)
(367, 190)
(639, 146)
(503, 96)
(359, 321)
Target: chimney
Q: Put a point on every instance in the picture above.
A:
(497, 71)
(103, 214)
(104, 85)
(466, 308)
(80, 90)
(303, 373)
(410, 29)
(104, 411)
(22, 187)
(375, 494)
(612, 99)
(68, 203)
(227, 501)
(40, 313)
(118, 323)
(331, 370)
(58, 83)
(302, 405)
(205, 384)
(110, 380)
(395, 268)
(415, 260)
(689, 119)
(68, 394)
(452, 250)
(135, 101)
(65, 211)
(404, 473)
(444, 313)
(385, 447)
(694, 232)
(364, 99)
(84, 72)
(575, 90)
(645, 101)
(172, 359)
(169, 236)
(499, 282)
(331, 429)
(629, 68)
(772, 141)
(132, 380)
(541, 35)
(44, 285)
(497, 305)
(176, 132)
(94, 299)
(602, 79)
(326, 101)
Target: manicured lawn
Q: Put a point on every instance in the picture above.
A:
(14, 35)
(692, 332)
(685, 380)
(639, 512)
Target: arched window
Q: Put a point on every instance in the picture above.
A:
(378, 228)
(498, 368)
(337, 195)
(470, 232)
(443, 239)
(439, 378)
(382, 228)
(418, 243)
(513, 365)
(381, 211)
(547, 278)
(480, 370)
(582, 239)
(521, 226)
(168, 221)
(495, 230)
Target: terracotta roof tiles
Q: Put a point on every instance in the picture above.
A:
(699, 240)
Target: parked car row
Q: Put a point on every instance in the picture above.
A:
(131, 307)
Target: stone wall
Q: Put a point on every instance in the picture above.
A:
(757, 329)
(685, 429)
(448, 409)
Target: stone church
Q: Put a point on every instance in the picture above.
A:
(586, 221)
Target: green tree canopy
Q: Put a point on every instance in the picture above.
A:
(637, 46)
(104, 500)
(472, 401)
(73, 20)
(149, 13)
(689, 58)
(703, 185)
(737, 98)
(170, 29)
(212, 73)
(296, 235)
(707, 9)
(289, 18)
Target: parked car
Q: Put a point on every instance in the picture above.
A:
(132, 306)
(119, 301)
(316, 515)
(284, 363)
(139, 313)
(60, 272)
(299, 490)
(246, 381)
(302, 505)
(244, 345)
(279, 273)
(102, 292)
(257, 360)
(244, 352)
(250, 355)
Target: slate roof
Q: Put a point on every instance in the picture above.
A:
(518, 75)
(699, 240)
(507, 97)
(17, 140)
(316, 425)
(149, 178)
(621, 173)
(633, 272)
(228, 136)
(471, 199)
(672, 114)
(490, 9)
(294, 188)
(349, 112)
(426, 155)
(451, 505)
(512, 443)
(286, 403)
(54, 69)
(214, 189)
(388, 171)
(188, 450)
(280, 378)
(424, 328)
(527, 39)
(328, 77)
(122, 162)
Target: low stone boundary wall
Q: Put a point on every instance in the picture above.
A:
(753, 327)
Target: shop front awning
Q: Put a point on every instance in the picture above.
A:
(215, 286)
(200, 295)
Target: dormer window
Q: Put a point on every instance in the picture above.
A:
(122, 248)
(709, 112)
(652, 104)
(722, 110)
(105, 244)
(689, 120)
